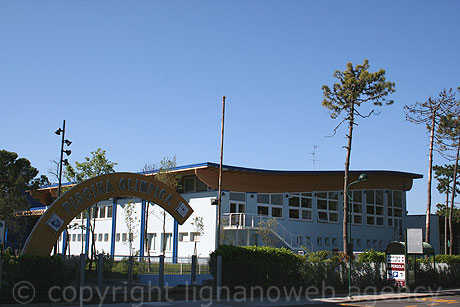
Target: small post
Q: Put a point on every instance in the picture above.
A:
(219, 277)
(100, 269)
(130, 273)
(82, 271)
(162, 272)
(193, 273)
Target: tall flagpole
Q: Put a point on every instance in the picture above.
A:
(219, 201)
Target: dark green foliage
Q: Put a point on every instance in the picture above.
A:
(258, 266)
(371, 256)
(41, 272)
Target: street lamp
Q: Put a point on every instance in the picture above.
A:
(61, 161)
(361, 178)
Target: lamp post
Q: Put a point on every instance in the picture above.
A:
(361, 178)
(61, 161)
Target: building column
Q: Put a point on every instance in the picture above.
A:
(142, 236)
(114, 227)
(175, 241)
(88, 219)
(64, 238)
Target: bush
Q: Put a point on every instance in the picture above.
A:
(41, 272)
(258, 266)
(371, 256)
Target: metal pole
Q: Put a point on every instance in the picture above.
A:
(350, 203)
(60, 161)
(219, 201)
(100, 268)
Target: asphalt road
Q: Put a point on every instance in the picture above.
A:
(451, 300)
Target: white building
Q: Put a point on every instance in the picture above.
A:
(306, 205)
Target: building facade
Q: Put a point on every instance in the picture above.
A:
(300, 210)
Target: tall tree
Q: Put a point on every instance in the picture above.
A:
(93, 166)
(355, 86)
(444, 175)
(429, 113)
(449, 129)
(17, 176)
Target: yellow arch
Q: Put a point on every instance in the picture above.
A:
(82, 196)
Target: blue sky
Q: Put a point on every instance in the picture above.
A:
(145, 79)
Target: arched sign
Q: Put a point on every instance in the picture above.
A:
(82, 196)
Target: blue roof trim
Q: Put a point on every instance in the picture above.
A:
(196, 165)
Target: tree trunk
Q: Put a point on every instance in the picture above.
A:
(345, 181)
(430, 175)
(451, 228)
(446, 214)
(164, 232)
(146, 238)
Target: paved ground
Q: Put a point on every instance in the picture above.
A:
(429, 298)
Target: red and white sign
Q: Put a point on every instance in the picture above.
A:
(396, 274)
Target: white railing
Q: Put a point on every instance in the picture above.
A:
(247, 220)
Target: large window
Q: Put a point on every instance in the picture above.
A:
(151, 241)
(300, 206)
(395, 209)
(356, 207)
(328, 207)
(166, 239)
(193, 184)
(270, 205)
(374, 207)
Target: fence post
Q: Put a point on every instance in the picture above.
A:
(100, 269)
(1, 274)
(219, 277)
(193, 273)
(81, 274)
(162, 272)
(130, 273)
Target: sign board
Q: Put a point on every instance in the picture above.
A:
(414, 241)
(396, 270)
(82, 196)
(2, 232)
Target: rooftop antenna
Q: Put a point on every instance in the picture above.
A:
(314, 156)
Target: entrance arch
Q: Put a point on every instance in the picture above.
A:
(82, 196)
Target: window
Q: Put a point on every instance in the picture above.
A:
(237, 206)
(368, 243)
(74, 237)
(395, 210)
(94, 213)
(193, 184)
(300, 206)
(356, 207)
(109, 211)
(270, 205)
(151, 241)
(334, 241)
(79, 237)
(319, 241)
(106, 237)
(117, 237)
(328, 207)
(100, 237)
(326, 241)
(124, 237)
(166, 239)
(195, 236)
(102, 212)
(374, 207)
(183, 236)
(358, 242)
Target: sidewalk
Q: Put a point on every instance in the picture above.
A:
(340, 298)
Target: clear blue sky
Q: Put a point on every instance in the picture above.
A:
(145, 79)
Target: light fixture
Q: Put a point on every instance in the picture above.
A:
(67, 142)
(252, 196)
(65, 161)
(68, 152)
(58, 132)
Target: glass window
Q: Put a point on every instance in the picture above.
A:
(277, 199)
(263, 198)
(151, 241)
(102, 212)
(106, 237)
(306, 215)
(195, 236)
(79, 237)
(200, 185)
(262, 210)
(189, 184)
(293, 214)
(117, 237)
(294, 201)
(238, 196)
(124, 237)
(327, 207)
(277, 212)
(100, 237)
(322, 204)
(109, 211)
(183, 236)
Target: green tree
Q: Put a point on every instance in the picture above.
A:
(429, 114)
(17, 176)
(167, 175)
(198, 226)
(131, 221)
(355, 86)
(444, 175)
(93, 166)
(449, 130)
